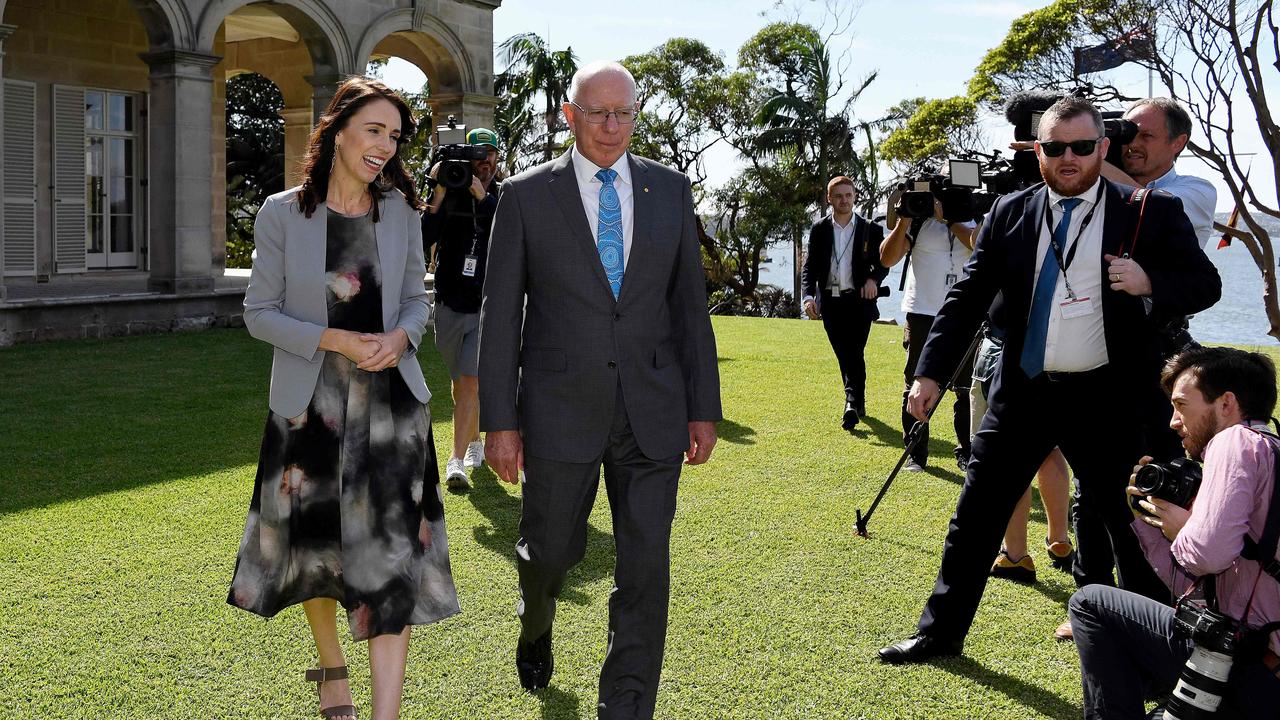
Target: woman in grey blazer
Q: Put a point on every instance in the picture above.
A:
(346, 505)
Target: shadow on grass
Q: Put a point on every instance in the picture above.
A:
(885, 434)
(730, 431)
(558, 704)
(502, 510)
(86, 417)
(1043, 701)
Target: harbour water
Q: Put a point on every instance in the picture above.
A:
(1238, 318)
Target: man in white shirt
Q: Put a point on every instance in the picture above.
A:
(937, 251)
(596, 350)
(1079, 350)
(841, 277)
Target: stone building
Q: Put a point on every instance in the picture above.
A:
(113, 126)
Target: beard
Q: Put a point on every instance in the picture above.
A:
(1198, 435)
(1071, 185)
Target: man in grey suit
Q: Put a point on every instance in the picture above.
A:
(596, 349)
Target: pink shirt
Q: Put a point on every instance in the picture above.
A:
(1239, 472)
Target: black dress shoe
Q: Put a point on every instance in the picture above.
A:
(534, 662)
(851, 417)
(919, 648)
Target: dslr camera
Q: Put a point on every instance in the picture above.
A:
(455, 155)
(1203, 680)
(1176, 481)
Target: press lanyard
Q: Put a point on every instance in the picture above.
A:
(848, 245)
(1073, 246)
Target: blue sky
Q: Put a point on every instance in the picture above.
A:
(920, 47)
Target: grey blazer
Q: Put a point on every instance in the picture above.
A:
(285, 303)
(554, 344)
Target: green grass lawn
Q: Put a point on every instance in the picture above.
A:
(126, 474)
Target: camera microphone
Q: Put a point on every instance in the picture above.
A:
(1021, 108)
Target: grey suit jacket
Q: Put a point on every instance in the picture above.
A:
(286, 302)
(554, 344)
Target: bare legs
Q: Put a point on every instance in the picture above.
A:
(387, 655)
(1054, 479)
(466, 413)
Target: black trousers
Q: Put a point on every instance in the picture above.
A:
(1128, 653)
(913, 337)
(557, 501)
(1100, 439)
(847, 320)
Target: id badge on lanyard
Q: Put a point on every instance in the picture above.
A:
(469, 266)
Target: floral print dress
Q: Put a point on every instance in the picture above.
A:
(347, 502)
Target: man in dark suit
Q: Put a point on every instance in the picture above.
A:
(841, 280)
(596, 349)
(1080, 349)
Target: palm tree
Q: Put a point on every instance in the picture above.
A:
(534, 69)
(513, 121)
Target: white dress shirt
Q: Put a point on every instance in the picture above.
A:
(589, 188)
(841, 276)
(1199, 200)
(1078, 343)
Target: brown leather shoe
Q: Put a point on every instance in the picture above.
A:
(1064, 632)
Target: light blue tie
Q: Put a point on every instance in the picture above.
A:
(1032, 360)
(609, 230)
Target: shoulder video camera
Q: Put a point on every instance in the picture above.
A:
(959, 192)
(455, 155)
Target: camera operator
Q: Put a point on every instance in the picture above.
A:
(938, 251)
(1131, 647)
(841, 277)
(457, 223)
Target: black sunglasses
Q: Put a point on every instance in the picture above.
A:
(1081, 148)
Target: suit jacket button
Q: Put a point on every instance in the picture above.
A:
(612, 364)
(617, 316)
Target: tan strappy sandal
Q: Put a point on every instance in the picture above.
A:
(320, 676)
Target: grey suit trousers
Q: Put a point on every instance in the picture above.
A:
(558, 497)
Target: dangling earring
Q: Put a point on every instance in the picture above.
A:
(333, 161)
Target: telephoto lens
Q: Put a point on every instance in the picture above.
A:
(1203, 681)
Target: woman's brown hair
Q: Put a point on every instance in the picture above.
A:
(353, 94)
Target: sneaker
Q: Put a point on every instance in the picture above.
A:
(962, 458)
(1061, 554)
(475, 455)
(455, 475)
(1023, 571)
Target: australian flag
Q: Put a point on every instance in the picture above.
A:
(1133, 45)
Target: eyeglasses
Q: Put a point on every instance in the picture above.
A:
(1081, 148)
(598, 116)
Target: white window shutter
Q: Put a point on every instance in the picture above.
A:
(69, 225)
(19, 178)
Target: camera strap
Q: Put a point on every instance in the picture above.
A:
(1263, 551)
(1139, 196)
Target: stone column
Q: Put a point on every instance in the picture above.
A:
(297, 130)
(5, 32)
(181, 182)
(474, 109)
(324, 87)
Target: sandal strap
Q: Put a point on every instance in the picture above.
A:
(339, 711)
(322, 675)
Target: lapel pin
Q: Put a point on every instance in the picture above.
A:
(646, 189)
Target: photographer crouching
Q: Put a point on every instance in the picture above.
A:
(460, 210)
(1220, 652)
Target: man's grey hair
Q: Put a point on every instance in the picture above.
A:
(1176, 120)
(599, 67)
(1071, 107)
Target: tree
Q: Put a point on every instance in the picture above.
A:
(801, 124)
(1216, 57)
(533, 69)
(929, 131)
(255, 158)
(513, 121)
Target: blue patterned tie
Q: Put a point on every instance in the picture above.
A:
(1032, 360)
(609, 230)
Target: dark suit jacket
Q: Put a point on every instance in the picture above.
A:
(554, 344)
(816, 268)
(1183, 281)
